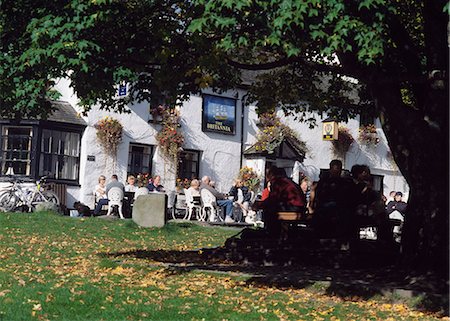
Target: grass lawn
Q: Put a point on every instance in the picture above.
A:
(61, 268)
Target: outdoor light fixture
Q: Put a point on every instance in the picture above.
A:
(330, 129)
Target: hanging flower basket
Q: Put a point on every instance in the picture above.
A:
(109, 134)
(368, 135)
(342, 145)
(170, 139)
(157, 113)
(273, 132)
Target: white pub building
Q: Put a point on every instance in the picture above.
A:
(219, 132)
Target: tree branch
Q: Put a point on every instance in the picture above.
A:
(286, 61)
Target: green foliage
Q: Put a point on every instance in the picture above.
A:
(299, 28)
(99, 44)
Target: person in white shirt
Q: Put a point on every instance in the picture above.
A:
(100, 188)
(131, 186)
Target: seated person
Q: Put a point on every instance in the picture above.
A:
(265, 193)
(155, 185)
(194, 189)
(369, 205)
(104, 201)
(100, 193)
(100, 188)
(333, 203)
(397, 205)
(142, 183)
(238, 185)
(284, 195)
(396, 210)
(305, 185)
(131, 186)
(221, 199)
(365, 196)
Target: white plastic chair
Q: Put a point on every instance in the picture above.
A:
(115, 198)
(208, 204)
(190, 205)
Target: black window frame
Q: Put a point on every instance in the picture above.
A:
(9, 154)
(130, 169)
(366, 118)
(37, 128)
(197, 165)
(59, 154)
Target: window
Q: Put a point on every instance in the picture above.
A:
(140, 159)
(16, 150)
(366, 118)
(60, 154)
(188, 164)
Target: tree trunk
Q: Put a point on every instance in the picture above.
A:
(420, 148)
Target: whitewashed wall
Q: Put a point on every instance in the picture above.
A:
(220, 154)
(377, 158)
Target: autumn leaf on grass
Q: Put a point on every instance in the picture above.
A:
(4, 292)
(36, 307)
(122, 271)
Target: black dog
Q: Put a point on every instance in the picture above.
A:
(82, 209)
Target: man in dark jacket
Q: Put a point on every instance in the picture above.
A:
(397, 204)
(396, 210)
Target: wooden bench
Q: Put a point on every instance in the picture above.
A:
(287, 218)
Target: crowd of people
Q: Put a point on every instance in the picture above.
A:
(133, 185)
(337, 203)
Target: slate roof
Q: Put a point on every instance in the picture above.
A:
(65, 113)
(294, 145)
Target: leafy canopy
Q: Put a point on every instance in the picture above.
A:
(98, 45)
(310, 46)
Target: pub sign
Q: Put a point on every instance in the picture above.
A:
(330, 129)
(219, 114)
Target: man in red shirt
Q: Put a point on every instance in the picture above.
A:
(284, 195)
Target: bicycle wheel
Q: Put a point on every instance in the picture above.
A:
(8, 201)
(50, 197)
(43, 197)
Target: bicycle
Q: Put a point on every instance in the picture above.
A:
(16, 196)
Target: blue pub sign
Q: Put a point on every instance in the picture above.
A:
(219, 114)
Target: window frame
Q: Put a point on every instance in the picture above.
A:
(5, 138)
(151, 154)
(37, 129)
(58, 154)
(366, 118)
(197, 167)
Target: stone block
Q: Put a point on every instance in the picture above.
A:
(46, 206)
(150, 210)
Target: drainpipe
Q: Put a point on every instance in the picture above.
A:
(244, 97)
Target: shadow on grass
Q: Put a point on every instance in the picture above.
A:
(364, 273)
